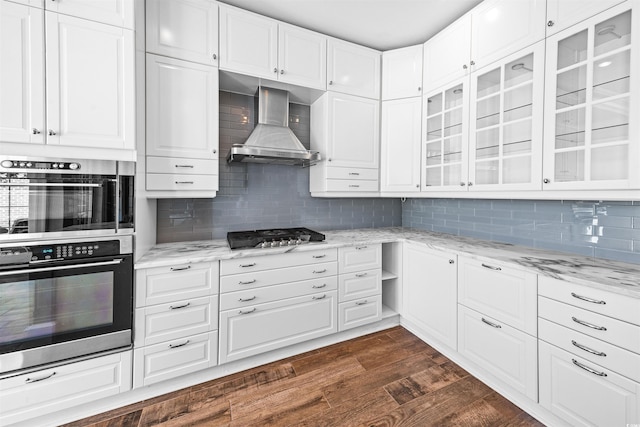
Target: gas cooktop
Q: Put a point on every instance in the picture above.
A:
(272, 238)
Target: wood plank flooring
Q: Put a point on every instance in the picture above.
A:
(389, 378)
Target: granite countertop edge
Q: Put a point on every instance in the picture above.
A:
(613, 276)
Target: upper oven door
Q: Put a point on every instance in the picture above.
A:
(35, 205)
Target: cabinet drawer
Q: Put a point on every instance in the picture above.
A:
(177, 165)
(506, 352)
(611, 330)
(359, 285)
(351, 185)
(172, 359)
(608, 303)
(358, 258)
(597, 351)
(176, 320)
(265, 294)
(264, 327)
(172, 182)
(506, 294)
(41, 392)
(352, 173)
(238, 282)
(175, 283)
(578, 391)
(259, 263)
(360, 312)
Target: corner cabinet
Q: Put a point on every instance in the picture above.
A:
(353, 69)
(402, 73)
(591, 127)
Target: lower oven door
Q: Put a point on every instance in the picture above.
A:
(56, 312)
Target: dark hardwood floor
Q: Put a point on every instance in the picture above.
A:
(389, 378)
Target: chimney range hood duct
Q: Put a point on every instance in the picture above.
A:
(272, 141)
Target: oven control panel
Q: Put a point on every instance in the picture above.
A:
(25, 164)
(58, 251)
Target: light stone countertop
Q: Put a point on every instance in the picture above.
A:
(614, 276)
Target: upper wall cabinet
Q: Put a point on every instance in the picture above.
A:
(183, 29)
(491, 31)
(353, 69)
(261, 47)
(591, 103)
(113, 12)
(402, 73)
(562, 14)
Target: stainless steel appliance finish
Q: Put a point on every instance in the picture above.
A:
(64, 299)
(43, 198)
(272, 238)
(271, 140)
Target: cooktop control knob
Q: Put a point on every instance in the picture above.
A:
(274, 244)
(74, 166)
(6, 163)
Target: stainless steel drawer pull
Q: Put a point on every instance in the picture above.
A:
(491, 267)
(588, 350)
(587, 299)
(247, 312)
(361, 274)
(319, 256)
(184, 166)
(246, 299)
(184, 182)
(179, 345)
(248, 282)
(354, 173)
(324, 285)
(253, 264)
(494, 325)
(588, 369)
(180, 268)
(589, 325)
(35, 380)
(362, 302)
(176, 307)
(320, 271)
(321, 297)
(358, 248)
(354, 186)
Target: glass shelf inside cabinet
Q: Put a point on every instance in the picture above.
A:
(593, 102)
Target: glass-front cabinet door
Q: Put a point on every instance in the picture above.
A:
(591, 106)
(445, 138)
(506, 112)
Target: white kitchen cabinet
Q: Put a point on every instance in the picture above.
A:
(445, 138)
(353, 69)
(353, 259)
(429, 292)
(21, 73)
(344, 129)
(183, 29)
(363, 311)
(402, 73)
(400, 145)
(585, 394)
(506, 112)
(591, 137)
(54, 389)
(260, 263)
(114, 12)
(262, 47)
(562, 14)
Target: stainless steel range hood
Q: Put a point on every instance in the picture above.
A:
(271, 140)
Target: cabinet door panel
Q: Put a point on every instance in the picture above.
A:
(357, 258)
(359, 312)
(353, 69)
(21, 73)
(182, 109)
(429, 292)
(90, 83)
(113, 12)
(360, 285)
(584, 398)
(167, 284)
(402, 73)
(302, 57)
(183, 29)
(562, 14)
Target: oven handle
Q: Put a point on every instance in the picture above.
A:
(48, 184)
(61, 267)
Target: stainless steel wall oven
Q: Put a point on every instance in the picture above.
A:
(64, 299)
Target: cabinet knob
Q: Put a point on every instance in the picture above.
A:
(464, 66)
(51, 132)
(330, 82)
(329, 159)
(35, 131)
(275, 70)
(417, 185)
(546, 180)
(215, 151)
(451, 261)
(473, 62)
(214, 56)
(281, 71)
(462, 184)
(550, 24)
(419, 88)
(469, 184)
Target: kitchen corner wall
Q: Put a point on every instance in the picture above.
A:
(608, 230)
(254, 196)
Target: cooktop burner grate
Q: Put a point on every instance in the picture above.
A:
(272, 238)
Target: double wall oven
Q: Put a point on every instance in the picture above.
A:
(66, 260)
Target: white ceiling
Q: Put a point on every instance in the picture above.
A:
(379, 24)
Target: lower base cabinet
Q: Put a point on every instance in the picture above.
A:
(260, 328)
(585, 394)
(352, 314)
(42, 392)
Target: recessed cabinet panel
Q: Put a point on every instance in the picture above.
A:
(359, 312)
(357, 258)
(183, 29)
(302, 57)
(168, 284)
(360, 284)
(402, 73)
(353, 69)
(21, 73)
